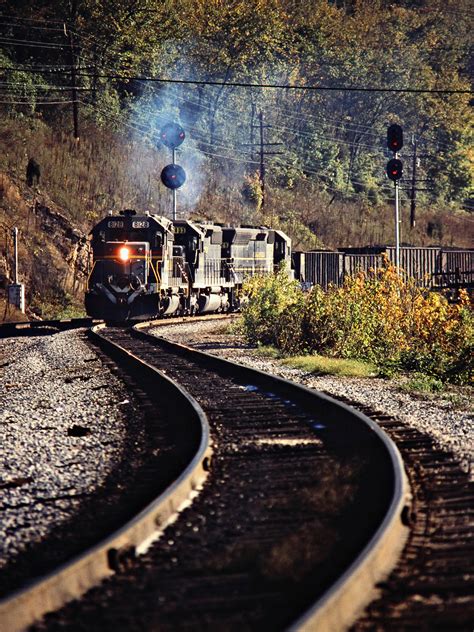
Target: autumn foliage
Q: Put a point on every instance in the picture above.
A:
(382, 317)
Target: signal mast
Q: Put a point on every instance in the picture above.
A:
(173, 176)
(394, 173)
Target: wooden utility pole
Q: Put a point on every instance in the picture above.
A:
(262, 152)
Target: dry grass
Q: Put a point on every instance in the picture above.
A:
(321, 365)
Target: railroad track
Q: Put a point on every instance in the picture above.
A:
(294, 475)
(43, 327)
(175, 461)
(431, 587)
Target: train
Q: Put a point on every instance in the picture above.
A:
(145, 266)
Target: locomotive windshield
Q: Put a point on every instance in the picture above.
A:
(122, 234)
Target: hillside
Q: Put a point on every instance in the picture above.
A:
(108, 171)
(285, 107)
(52, 253)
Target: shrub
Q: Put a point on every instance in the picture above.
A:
(380, 317)
(274, 303)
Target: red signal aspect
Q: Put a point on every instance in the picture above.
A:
(394, 137)
(394, 169)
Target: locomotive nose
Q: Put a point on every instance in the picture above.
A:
(122, 281)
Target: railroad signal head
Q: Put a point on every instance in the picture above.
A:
(394, 137)
(172, 135)
(394, 169)
(173, 176)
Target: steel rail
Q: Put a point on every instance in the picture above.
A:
(71, 580)
(344, 601)
(341, 603)
(47, 327)
(39, 327)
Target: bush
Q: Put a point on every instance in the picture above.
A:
(274, 303)
(379, 317)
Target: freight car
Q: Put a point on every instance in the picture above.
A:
(146, 266)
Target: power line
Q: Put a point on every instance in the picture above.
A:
(309, 169)
(41, 20)
(47, 46)
(31, 26)
(155, 136)
(283, 112)
(300, 133)
(35, 102)
(274, 86)
(23, 41)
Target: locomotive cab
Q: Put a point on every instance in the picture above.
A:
(248, 250)
(202, 244)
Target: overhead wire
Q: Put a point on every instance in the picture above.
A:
(244, 84)
(51, 46)
(155, 137)
(37, 102)
(25, 19)
(305, 168)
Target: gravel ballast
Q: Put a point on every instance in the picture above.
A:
(452, 428)
(63, 417)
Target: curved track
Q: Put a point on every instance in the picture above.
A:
(301, 490)
(430, 587)
(179, 453)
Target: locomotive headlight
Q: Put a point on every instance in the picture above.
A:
(124, 253)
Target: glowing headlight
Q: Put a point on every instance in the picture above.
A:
(124, 253)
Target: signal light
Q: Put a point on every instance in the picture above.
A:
(394, 169)
(172, 135)
(124, 253)
(173, 176)
(394, 137)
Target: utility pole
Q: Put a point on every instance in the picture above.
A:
(15, 254)
(16, 291)
(262, 159)
(262, 152)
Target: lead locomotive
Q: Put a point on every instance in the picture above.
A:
(146, 266)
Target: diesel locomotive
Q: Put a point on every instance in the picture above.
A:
(147, 266)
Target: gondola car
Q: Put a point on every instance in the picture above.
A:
(146, 266)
